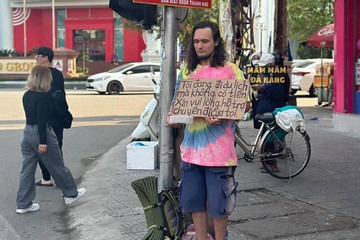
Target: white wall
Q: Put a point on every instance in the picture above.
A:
(6, 26)
(263, 11)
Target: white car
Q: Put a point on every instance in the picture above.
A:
(130, 77)
(303, 73)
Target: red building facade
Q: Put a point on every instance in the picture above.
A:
(346, 115)
(97, 30)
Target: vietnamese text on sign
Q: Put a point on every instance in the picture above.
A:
(224, 99)
(272, 74)
(178, 3)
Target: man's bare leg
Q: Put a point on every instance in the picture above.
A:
(220, 227)
(200, 223)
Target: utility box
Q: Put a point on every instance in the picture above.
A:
(141, 155)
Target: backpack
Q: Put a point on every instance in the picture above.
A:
(173, 218)
(64, 117)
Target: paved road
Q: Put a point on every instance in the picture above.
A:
(320, 203)
(21, 84)
(100, 123)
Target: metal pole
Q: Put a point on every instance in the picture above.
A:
(53, 23)
(261, 38)
(25, 39)
(83, 59)
(166, 137)
(322, 74)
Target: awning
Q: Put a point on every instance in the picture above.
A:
(324, 37)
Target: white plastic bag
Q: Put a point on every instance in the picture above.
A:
(290, 120)
(248, 115)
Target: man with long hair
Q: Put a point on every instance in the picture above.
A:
(208, 154)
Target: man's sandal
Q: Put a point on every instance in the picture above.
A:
(40, 184)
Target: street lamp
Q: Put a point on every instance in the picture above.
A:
(53, 23)
(25, 38)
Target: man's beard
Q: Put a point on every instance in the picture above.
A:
(204, 58)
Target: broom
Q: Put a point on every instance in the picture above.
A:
(147, 192)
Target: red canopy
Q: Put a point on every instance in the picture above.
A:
(324, 37)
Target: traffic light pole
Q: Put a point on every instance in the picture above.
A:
(168, 79)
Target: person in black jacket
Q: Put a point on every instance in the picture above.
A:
(279, 62)
(254, 60)
(270, 96)
(44, 57)
(40, 142)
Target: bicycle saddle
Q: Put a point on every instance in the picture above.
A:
(265, 117)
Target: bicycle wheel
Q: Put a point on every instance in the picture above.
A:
(285, 154)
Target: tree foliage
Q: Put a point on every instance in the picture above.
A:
(304, 18)
(8, 52)
(307, 16)
(15, 53)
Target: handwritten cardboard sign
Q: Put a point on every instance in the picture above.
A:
(223, 99)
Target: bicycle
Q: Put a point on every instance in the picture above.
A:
(289, 151)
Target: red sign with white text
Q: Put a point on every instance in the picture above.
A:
(178, 3)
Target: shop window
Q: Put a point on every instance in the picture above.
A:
(90, 43)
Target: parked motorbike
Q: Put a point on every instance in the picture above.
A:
(147, 129)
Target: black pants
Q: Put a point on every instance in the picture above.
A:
(59, 132)
(255, 104)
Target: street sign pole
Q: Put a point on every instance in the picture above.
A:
(83, 60)
(168, 63)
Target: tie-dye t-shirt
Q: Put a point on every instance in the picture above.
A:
(205, 144)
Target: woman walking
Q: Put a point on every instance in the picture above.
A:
(40, 142)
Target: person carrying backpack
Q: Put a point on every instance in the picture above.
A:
(39, 142)
(208, 186)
